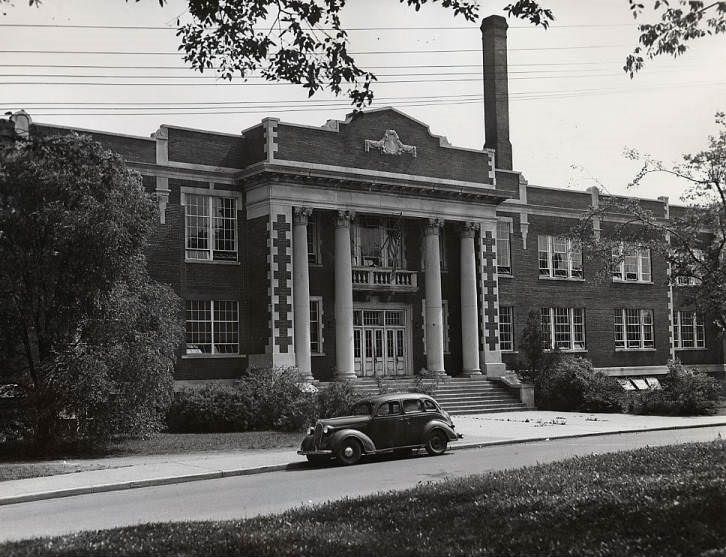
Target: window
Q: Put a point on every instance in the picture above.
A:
(316, 325)
(504, 254)
(634, 329)
(444, 323)
(506, 328)
(313, 240)
(430, 406)
(687, 281)
(632, 264)
(559, 257)
(212, 327)
(688, 330)
(563, 328)
(378, 243)
(412, 405)
(210, 227)
(389, 408)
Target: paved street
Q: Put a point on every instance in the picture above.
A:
(247, 496)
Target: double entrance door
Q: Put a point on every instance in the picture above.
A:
(381, 341)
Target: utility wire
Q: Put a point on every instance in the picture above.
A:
(167, 28)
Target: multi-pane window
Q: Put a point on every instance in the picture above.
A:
(563, 328)
(631, 263)
(506, 328)
(313, 240)
(210, 227)
(688, 330)
(633, 329)
(316, 325)
(559, 257)
(212, 327)
(378, 243)
(504, 253)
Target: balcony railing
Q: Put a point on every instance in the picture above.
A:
(370, 278)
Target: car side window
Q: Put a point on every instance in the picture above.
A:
(389, 408)
(413, 405)
(430, 406)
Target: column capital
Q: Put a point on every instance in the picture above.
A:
(468, 229)
(344, 218)
(300, 215)
(433, 226)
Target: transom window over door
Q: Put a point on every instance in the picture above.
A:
(210, 227)
(378, 243)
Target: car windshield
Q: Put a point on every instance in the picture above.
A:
(361, 409)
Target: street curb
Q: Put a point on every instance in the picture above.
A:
(120, 486)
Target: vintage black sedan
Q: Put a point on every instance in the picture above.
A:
(399, 422)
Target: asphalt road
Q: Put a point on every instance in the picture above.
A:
(246, 496)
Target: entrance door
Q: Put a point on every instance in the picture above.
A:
(380, 342)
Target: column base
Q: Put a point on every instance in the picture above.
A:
(495, 370)
(472, 373)
(428, 373)
(349, 376)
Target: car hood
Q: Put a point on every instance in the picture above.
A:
(343, 421)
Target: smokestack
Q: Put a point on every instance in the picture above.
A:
(496, 89)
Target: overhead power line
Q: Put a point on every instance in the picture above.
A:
(362, 52)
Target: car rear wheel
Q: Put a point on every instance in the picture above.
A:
(349, 451)
(436, 443)
(317, 460)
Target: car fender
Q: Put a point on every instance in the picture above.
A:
(443, 426)
(365, 441)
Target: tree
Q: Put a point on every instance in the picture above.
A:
(304, 42)
(692, 242)
(85, 331)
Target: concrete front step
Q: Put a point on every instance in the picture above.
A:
(488, 410)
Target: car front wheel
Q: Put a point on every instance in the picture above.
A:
(349, 451)
(436, 443)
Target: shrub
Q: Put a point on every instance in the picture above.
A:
(336, 399)
(573, 384)
(263, 399)
(684, 392)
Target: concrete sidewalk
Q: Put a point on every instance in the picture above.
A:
(479, 430)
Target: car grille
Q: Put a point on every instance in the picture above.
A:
(318, 435)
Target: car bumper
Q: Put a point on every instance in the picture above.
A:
(319, 452)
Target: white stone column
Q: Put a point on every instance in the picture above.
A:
(301, 291)
(469, 311)
(434, 306)
(344, 364)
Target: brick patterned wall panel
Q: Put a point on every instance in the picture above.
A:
(281, 274)
(490, 301)
(347, 148)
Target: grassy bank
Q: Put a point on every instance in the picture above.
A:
(653, 501)
(15, 465)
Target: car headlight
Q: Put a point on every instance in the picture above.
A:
(311, 430)
(326, 429)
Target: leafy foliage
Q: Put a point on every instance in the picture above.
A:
(336, 399)
(572, 384)
(85, 331)
(651, 502)
(263, 399)
(696, 256)
(534, 361)
(685, 392)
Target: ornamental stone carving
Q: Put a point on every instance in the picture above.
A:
(390, 144)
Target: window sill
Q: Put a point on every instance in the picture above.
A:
(621, 281)
(698, 349)
(211, 262)
(575, 351)
(505, 275)
(569, 279)
(635, 350)
(211, 356)
(509, 351)
(317, 354)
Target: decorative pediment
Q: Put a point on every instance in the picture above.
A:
(390, 144)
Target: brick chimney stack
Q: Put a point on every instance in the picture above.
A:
(496, 89)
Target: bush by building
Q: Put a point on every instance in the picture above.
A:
(684, 392)
(336, 399)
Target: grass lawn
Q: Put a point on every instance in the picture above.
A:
(170, 443)
(158, 444)
(652, 502)
(19, 471)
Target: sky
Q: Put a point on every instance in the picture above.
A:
(573, 111)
